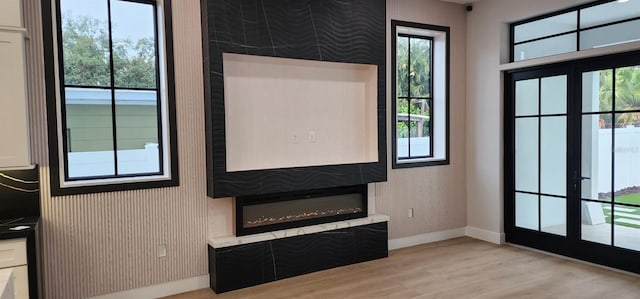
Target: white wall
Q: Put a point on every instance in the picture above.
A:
(488, 44)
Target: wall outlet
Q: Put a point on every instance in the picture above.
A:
(162, 250)
(294, 139)
(411, 213)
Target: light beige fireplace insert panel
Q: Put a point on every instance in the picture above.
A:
(282, 112)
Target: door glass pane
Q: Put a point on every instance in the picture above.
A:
(89, 132)
(553, 216)
(597, 91)
(545, 47)
(545, 27)
(627, 227)
(527, 211)
(527, 154)
(420, 128)
(137, 131)
(596, 157)
(610, 35)
(596, 223)
(554, 95)
(608, 12)
(553, 155)
(628, 95)
(627, 161)
(527, 97)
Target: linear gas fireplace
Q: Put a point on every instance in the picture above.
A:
(262, 213)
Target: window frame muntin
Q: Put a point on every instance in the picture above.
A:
(166, 117)
(420, 162)
(577, 31)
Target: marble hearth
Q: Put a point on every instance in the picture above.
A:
(239, 262)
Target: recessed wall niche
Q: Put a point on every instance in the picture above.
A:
(313, 120)
(282, 112)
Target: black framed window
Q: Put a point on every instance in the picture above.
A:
(420, 94)
(111, 98)
(593, 25)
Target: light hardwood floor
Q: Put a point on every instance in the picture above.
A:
(458, 268)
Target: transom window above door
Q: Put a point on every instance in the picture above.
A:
(593, 25)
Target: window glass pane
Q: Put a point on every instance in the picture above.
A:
(553, 215)
(134, 49)
(527, 211)
(420, 67)
(85, 42)
(596, 157)
(527, 154)
(89, 132)
(628, 95)
(545, 47)
(554, 95)
(597, 91)
(610, 35)
(553, 155)
(420, 128)
(527, 97)
(608, 12)
(627, 227)
(402, 127)
(545, 27)
(596, 222)
(137, 131)
(402, 70)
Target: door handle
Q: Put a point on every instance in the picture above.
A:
(577, 178)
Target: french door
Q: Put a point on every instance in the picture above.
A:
(572, 159)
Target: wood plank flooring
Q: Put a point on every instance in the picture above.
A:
(458, 268)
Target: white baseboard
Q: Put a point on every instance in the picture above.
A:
(162, 290)
(485, 235)
(426, 238)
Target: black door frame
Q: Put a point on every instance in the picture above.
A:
(571, 245)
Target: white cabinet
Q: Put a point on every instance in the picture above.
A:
(13, 255)
(6, 284)
(14, 129)
(11, 13)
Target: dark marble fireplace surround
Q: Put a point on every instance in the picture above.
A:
(347, 31)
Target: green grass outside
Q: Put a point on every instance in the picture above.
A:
(633, 198)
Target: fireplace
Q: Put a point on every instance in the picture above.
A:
(262, 213)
